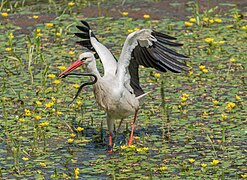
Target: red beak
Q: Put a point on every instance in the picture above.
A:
(75, 65)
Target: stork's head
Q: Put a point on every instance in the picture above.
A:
(85, 58)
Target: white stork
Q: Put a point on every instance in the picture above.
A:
(118, 91)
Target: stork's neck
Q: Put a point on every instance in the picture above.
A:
(92, 68)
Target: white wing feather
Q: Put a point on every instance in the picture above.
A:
(144, 38)
(106, 57)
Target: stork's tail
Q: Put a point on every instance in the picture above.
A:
(141, 96)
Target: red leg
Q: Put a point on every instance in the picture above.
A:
(132, 129)
(110, 143)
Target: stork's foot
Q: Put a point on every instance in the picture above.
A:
(110, 149)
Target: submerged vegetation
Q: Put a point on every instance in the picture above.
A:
(192, 126)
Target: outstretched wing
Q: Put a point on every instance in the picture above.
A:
(90, 41)
(148, 48)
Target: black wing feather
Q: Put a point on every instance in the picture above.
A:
(170, 51)
(82, 35)
(161, 35)
(83, 29)
(170, 43)
(157, 56)
(85, 24)
(85, 36)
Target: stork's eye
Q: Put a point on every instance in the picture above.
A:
(83, 59)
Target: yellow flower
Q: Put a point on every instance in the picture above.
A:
(230, 105)
(77, 172)
(37, 117)
(22, 120)
(205, 70)
(44, 124)
(223, 116)
(124, 147)
(70, 141)
(53, 99)
(132, 146)
(157, 75)
(78, 102)
(221, 42)
(232, 60)
(215, 102)
(71, 4)
(203, 165)
(42, 164)
(27, 112)
(211, 21)
(130, 30)
(190, 73)
(76, 86)
(205, 19)
(238, 97)
(137, 137)
(56, 82)
(8, 49)
(39, 34)
(215, 162)
(201, 67)
(49, 105)
(51, 76)
(71, 52)
(125, 13)
(4, 14)
(209, 40)
(185, 95)
(188, 24)
(191, 161)
(214, 42)
(59, 113)
(136, 29)
(72, 134)
(139, 149)
(49, 24)
(192, 20)
(38, 103)
(183, 98)
(79, 129)
(25, 159)
(244, 176)
(145, 149)
(244, 27)
(35, 17)
(163, 168)
(58, 34)
(146, 16)
(205, 114)
(38, 30)
(11, 36)
(217, 20)
(236, 16)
